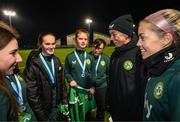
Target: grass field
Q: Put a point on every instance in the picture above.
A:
(61, 53)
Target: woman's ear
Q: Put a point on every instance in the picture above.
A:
(167, 39)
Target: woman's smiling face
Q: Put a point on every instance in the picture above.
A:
(9, 57)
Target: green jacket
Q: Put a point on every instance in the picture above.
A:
(73, 70)
(102, 74)
(5, 103)
(162, 94)
(79, 99)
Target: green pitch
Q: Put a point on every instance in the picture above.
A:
(61, 53)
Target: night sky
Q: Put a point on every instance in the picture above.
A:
(63, 17)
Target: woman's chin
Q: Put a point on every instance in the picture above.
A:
(50, 53)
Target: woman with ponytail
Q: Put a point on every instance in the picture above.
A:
(159, 37)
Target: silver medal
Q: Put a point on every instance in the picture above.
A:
(83, 75)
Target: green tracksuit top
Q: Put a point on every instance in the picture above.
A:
(162, 95)
(79, 99)
(73, 70)
(101, 70)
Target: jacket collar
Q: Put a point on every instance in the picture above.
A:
(159, 62)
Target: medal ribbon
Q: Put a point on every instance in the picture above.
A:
(18, 90)
(51, 74)
(97, 64)
(83, 66)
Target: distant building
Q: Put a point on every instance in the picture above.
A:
(71, 38)
(58, 42)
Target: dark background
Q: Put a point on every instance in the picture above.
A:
(63, 17)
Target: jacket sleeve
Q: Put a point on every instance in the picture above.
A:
(174, 97)
(4, 106)
(67, 71)
(33, 95)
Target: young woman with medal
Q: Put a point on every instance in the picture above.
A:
(45, 82)
(78, 68)
(101, 71)
(13, 105)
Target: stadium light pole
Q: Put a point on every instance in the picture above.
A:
(10, 14)
(89, 21)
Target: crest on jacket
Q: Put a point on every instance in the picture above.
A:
(88, 61)
(128, 65)
(103, 63)
(158, 90)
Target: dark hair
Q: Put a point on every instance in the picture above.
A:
(7, 33)
(98, 42)
(42, 35)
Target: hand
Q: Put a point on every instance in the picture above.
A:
(73, 83)
(92, 90)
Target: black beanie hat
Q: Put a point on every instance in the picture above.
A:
(123, 24)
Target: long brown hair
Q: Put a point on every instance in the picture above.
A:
(7, 33)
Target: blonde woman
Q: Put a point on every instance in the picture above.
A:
(159, 36)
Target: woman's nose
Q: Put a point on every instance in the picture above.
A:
(18, 58)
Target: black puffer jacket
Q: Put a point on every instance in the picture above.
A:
(39, 87)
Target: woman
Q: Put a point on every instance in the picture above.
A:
(45, 83)
(78, 70)
(13, 105)
(124, 89)
(100, 79)
(159, 36)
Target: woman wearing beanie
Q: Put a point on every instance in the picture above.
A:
(125, 90)
(159, 37)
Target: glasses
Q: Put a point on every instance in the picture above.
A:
(98, 48)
